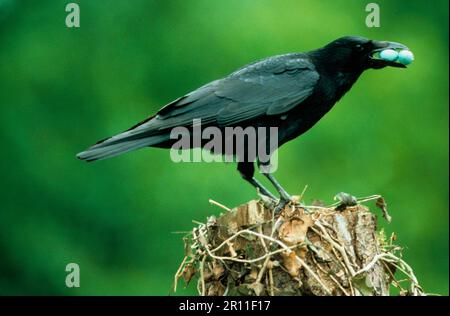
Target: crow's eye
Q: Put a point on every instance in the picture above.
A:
(359, 47)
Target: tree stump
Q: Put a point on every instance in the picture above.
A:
(303, 250)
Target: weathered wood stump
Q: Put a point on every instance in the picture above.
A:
(302, 250)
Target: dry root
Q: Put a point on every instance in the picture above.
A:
(303, 250)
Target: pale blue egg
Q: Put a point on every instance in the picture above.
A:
(388, 54)
(405, 57)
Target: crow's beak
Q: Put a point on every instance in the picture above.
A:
(380, 46)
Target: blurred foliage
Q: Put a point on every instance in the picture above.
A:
(63, 89)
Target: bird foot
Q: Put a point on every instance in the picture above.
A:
(286, 196)
(280, 206)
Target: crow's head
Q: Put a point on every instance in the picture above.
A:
(356, 53)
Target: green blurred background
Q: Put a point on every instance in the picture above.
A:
(63, 89)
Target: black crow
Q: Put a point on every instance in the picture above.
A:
(291, 92)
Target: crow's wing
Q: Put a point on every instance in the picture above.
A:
(269, 87)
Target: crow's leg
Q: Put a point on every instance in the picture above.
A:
(284, 196)
(247, 171)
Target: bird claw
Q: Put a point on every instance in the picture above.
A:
(286, 196)
(280, 206)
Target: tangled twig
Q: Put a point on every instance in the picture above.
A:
(325, 258)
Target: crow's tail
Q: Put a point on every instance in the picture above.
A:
(120, 144)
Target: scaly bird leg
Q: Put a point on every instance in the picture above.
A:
(262, 190)
(247, 170)
(284, 196)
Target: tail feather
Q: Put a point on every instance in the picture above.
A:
(119, 144)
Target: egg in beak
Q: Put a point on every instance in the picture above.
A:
(389, 54)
